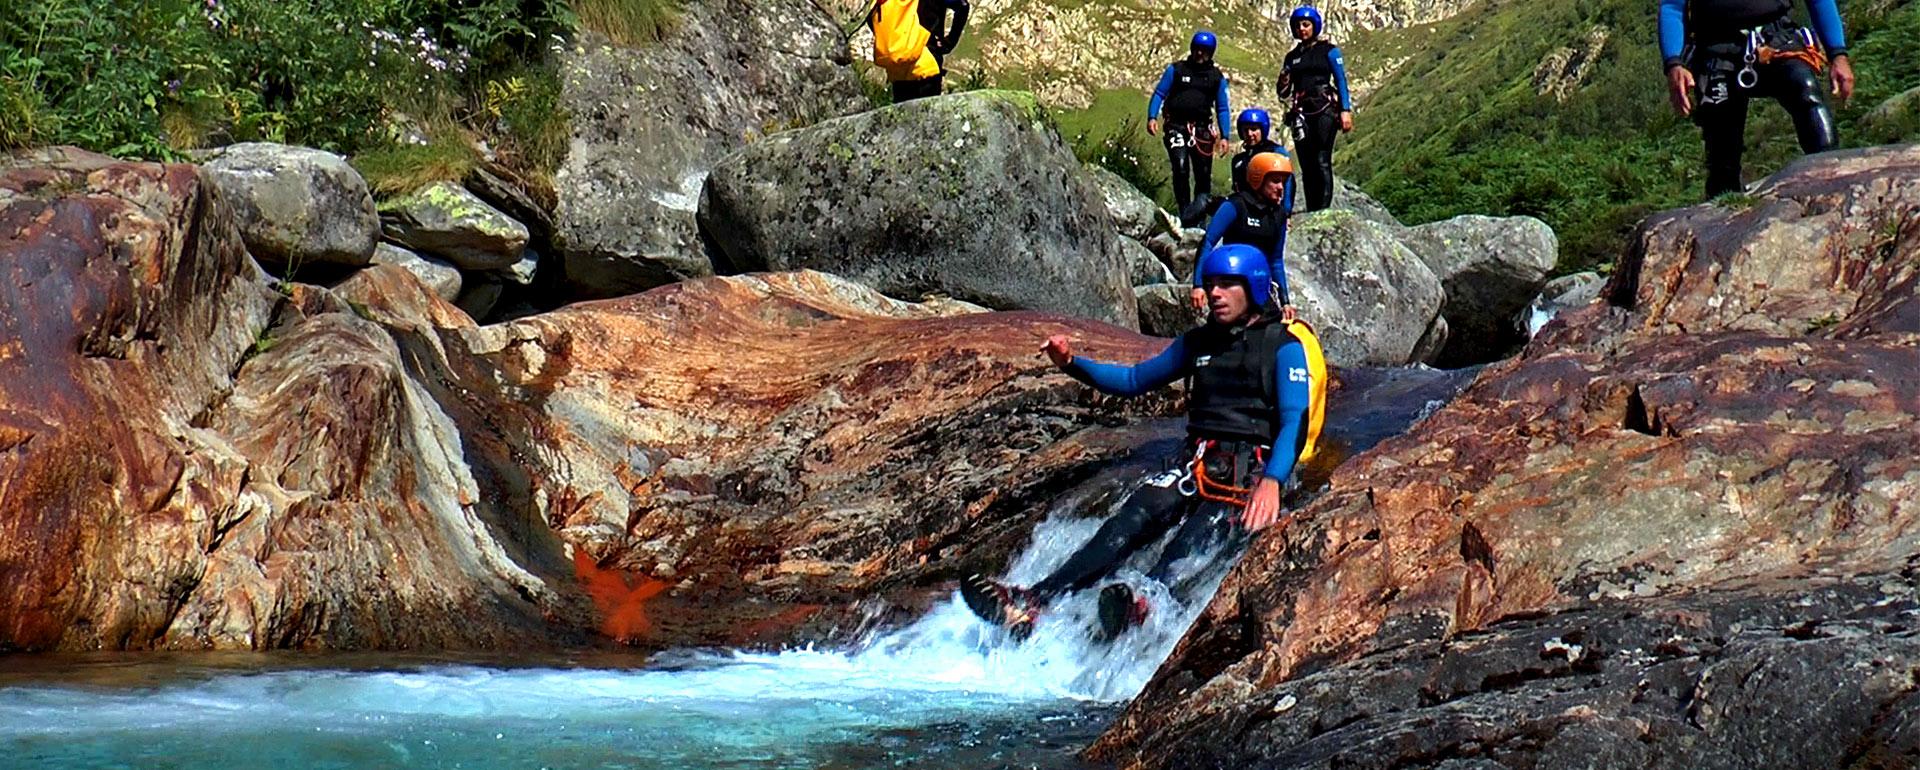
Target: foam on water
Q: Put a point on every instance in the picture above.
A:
(948, 685)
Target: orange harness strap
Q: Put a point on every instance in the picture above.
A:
(1215, 491)
(1812, 55)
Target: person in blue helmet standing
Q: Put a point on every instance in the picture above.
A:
(1191, 96)
(1255, 127)
(1726, 52)
(1254, 406)
(1313, 80)
(1256, 216)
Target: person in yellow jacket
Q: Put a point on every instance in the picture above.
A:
(911, 41)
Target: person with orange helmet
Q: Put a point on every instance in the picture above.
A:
(1256, 216)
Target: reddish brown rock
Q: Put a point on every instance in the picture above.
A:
(189, 459)
(1743, 422)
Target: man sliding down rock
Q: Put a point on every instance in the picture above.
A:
(1254, 411)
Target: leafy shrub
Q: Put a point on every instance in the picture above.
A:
(1120, 152)
(148, 79)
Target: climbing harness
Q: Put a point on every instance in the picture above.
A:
(1194, 480)
(1766, 45)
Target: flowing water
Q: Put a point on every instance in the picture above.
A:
(945, 692)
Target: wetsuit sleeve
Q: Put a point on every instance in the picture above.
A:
(1826, 24)
(1295, 394)
(1340, 78)
(1216, 229)
(1286, 197)
(1673, 32)
(1277, 263)
(1160, 93)
(1122, 380)
(1226, 110)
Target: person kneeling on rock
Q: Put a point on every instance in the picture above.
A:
(1254, 410)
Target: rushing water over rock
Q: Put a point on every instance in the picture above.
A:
(944, 691)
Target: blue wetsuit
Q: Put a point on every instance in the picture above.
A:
(1150, 511)
(1242, 219)
(1712, 39)
(1223, 108)
(1188, 91)
(1313, 80)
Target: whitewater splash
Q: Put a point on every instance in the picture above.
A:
(947, 691)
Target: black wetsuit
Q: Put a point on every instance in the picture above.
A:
(1188, 92)
(1251, 388)
(1313, 81)
(933, 16)
(1713, 39)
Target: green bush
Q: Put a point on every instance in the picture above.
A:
(149, 79)
(1120, 151)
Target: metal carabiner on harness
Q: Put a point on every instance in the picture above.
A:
(1748, 77)
(1187, 486)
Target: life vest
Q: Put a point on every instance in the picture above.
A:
(1234, 395)
(1256, 222)
(900, 41)
(1713, 20)
(1195, 87)
(1309, 68)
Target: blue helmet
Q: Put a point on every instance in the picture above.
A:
(1205, 41)
(1309, 13)
(1255, 117)
(1247, 262)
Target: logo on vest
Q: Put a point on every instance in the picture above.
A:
(1203, 360)
(1253, 221)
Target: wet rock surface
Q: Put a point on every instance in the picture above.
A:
(191, 459)
(1687, 484)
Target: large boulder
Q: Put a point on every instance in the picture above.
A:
(1371, 299)
(1166, 309)
(970, 195)
(190, 459)
(447, 221)
(1621, 547)
(297, 205)
(648, 124)
(1491, 268)
(1134, 214)
(1347, 195)
(1143, 267)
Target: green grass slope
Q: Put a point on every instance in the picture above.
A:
(1459, 128)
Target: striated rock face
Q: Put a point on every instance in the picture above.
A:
(778, 448)
(192, 460)
(1623, 546)
(189, 459)
(648, 124)
(297, 205)
(970, 195)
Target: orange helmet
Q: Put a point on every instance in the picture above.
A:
(1266, 163)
